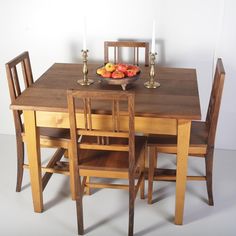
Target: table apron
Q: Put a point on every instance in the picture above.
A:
(146, 125)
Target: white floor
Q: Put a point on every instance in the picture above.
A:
(105, 211)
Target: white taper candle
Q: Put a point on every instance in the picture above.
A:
(84, 34)
(153, 36)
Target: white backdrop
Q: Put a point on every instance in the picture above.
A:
(189, 33)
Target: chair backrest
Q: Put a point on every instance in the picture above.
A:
(117, 45)
(215, 101)
(21, 62)
(117, 105)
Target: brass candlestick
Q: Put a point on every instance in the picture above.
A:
(151, 83)
(85, 80)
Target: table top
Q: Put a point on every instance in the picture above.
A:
(177, 97)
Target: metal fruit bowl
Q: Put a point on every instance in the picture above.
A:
(123, 82)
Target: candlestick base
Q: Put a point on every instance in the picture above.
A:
(85, 82)
(152, 84)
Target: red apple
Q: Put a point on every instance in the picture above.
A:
(106, 74)
(131, 72)
(133, 67)
(117, 74)
(122, 67)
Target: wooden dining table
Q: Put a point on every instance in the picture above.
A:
(168, 109)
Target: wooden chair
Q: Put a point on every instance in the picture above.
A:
(117, 45)
(202, 140)
(49, 137)
(106, 150)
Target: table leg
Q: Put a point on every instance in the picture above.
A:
(182, 164)
(33, 153)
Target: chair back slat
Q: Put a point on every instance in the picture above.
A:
(136, 54)
(15, 79)
(215, 101)
(87, 113)
(118, 45)
(13, 76)
(110, 139)
(117, 55)
(27, 74)
(12, 69)
(116, 116)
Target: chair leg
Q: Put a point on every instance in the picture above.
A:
(73, 172)
(142, 186)
(151, 171)
(131, 204)
(20, 163)
(79, 202)
(79, 211)
(209, 168)
(87, 189)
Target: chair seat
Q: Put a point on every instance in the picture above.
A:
(198, 140)
(57, 133)
(53, 137)
(109, 160)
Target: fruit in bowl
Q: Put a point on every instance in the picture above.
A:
(117, 74)
(110, 67)
(101, 70)
(122, 67)
(131, 73)
(106, 74)
(118, 71)
(133, 67)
